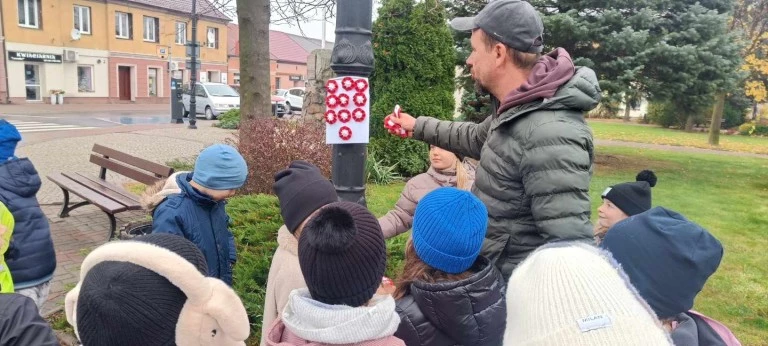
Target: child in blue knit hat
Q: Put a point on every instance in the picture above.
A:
(192, 205)
(448, 294)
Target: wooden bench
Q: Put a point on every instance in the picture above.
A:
(110, 198)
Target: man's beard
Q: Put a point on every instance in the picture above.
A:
(480, 89)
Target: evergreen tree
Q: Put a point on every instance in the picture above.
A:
(415, 63)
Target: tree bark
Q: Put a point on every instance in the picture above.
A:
(689, 124)
(627, 106)
(717, 116)
(255, 93)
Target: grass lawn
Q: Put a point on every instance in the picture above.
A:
(657, 135)
(729, 197)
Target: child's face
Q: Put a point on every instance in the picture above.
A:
(441, 159)
(609, 214)
(220, 195)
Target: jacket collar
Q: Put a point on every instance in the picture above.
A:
(287, 241)
(183, 181)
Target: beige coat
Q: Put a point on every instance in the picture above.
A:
(400, 219)
(284, 276)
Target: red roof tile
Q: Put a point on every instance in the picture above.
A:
(285, 49)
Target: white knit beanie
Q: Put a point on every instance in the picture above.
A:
(572, 293)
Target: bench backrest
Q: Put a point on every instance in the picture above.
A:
(143, 171)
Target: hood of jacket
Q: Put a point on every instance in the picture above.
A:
(550, 72)
(470, 311)
(156, 194)
(339, 324)
(287, 241)
(183, 182)
(19, 177)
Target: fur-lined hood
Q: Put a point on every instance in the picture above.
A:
(156, 194)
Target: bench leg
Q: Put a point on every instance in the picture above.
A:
(65, 208)
(112, 226)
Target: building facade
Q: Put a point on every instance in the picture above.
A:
(105, 51)
(288, 58)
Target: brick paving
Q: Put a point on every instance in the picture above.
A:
(73, 238)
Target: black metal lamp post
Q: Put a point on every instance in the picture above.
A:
(352, 56)
(193, 71)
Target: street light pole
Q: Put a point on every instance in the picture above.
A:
(352, 56)
(193, 71)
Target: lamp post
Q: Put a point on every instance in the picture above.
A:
(193, 71)
(352, 56)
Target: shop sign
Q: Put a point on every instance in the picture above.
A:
(31, 56)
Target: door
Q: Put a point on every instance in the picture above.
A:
(32, 82)
(201, 99)
(124, 82)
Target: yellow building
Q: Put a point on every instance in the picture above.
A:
(100, 51)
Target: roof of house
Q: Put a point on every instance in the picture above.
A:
(282, 46)
(204, 8)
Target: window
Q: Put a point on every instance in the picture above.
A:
(181, 33)
(151, 25)
(83, 19)
(236, 78)
(29, 13)
(213, 38)
(152, 80)
(85, 78)
(277, 82)
(123, 25)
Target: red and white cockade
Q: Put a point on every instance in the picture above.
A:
(347, 110)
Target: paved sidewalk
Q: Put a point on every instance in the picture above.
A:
(39, 109)
(87, 227)
(158, 145)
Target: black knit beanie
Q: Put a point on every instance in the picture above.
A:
(635, 197)
(342, 254)
(121, 303)
(301, 190)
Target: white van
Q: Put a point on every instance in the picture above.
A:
(212, 99)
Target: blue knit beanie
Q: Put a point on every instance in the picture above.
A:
(220, 167)
(666, 257)
(9, 137)
(448, 229)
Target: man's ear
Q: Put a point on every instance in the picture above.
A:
(500, 53)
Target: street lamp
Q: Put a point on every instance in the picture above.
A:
(352, 56)
(193, 71)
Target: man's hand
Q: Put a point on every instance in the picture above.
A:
(405, 121)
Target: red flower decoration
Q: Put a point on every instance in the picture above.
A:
(388, 123)
(330, 117)
(332, 86)
(361, 85)
(344, 100)
(331, 101)
(348, 83)
(344, 116)
(345, 133)
(359, 115)
(360, 99)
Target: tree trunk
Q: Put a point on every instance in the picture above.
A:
(689, 123)
(717, 116)
(255, 93)
(627, 106)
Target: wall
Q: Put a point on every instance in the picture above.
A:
(233, 68)
(284, 70)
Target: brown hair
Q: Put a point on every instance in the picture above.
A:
(416, 270)
(523, 60)
(462, 176)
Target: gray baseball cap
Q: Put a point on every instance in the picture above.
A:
(514, 23)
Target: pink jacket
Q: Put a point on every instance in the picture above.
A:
(279, 335)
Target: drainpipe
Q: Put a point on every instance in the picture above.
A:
(5, 65)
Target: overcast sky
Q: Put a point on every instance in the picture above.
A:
(314, 29)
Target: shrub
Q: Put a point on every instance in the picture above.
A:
(269, 145)
(415, 67)
(753, 129)
(229, 120)
(377, 173)
(662, 114)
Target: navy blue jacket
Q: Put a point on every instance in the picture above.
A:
(30, 256)
(195, 216)
(21, 324)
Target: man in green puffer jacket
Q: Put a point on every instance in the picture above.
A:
(536, 150)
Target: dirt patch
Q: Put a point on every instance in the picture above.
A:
(62, 329)
(606, 163)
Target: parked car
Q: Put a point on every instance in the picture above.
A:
(278, 103)
(212, 99)
(294, 97)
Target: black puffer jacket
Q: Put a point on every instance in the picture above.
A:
(472, 311)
